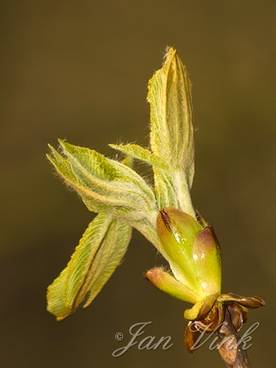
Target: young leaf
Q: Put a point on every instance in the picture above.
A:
(169, 96)
(108, 258)
(104, 184)
(164, 188)
(94, 201)
(96, 257)
(141, 154)
(171, 138)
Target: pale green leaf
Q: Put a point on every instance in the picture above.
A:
(94, 162)
(82, 160)
(142, 154)
(97, 255)
(102, 183)
(172, 136)
(164, 189)
(169, 96)
(93, 200)
(108, 258)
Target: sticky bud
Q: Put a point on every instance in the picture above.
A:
(192, 251)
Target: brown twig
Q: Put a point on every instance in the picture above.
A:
(230, 350)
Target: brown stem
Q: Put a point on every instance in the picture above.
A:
(230, 350)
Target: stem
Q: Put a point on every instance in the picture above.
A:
(234, 356)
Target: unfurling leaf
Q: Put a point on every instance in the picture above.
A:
(169, 96)
(96, 257)
(163, 214)
(102, 183)
(165, 191)
(171, 138)
(141, 154)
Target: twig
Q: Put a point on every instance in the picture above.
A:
(230, 350)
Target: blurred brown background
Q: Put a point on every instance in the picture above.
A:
(78, 70)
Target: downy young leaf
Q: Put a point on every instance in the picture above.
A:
(93, 200)
(102, 183)
(171, 137)
(169, 96)
(108, 258)
(141, 154)
(164, 189)
(96, 257)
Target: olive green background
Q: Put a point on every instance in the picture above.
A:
(78, 70)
